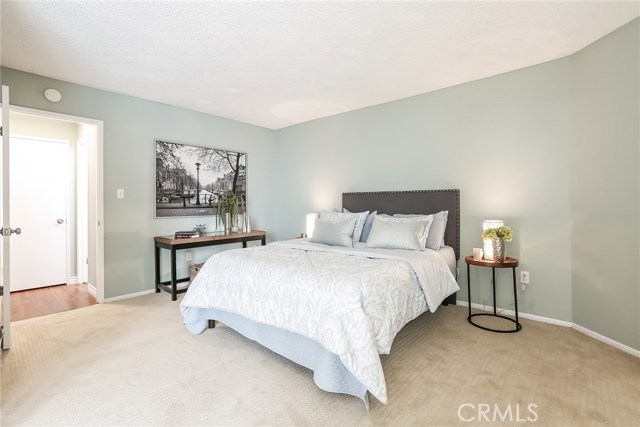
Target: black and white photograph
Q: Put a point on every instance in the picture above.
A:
(194, 181)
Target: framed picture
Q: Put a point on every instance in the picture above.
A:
(190, 180)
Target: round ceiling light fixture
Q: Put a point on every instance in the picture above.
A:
(52, 95)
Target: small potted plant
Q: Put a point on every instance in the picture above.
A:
(228, 207)
(498, 236)
(201, 229)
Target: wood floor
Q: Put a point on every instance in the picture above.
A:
(49, 300)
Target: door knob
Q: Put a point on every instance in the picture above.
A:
(60, 221)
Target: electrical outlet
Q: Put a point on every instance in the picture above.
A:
(188, 256)
(524, 277)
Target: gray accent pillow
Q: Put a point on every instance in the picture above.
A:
(334, 233)
(436, 233)
(340, 216)
(366, 228)
(398, 233)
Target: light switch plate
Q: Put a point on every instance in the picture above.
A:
(120, 193)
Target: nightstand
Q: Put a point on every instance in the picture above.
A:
(508, 263)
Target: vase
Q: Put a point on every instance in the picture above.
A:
(227, 223)
(234, 223)
(499, 249)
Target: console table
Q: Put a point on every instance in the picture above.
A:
(209, 239)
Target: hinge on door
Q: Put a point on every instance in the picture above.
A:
(1, 291)
(8, 231)
(0, 130)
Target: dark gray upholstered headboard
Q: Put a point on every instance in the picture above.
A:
(412, 202)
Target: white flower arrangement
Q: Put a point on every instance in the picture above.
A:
(504, 232)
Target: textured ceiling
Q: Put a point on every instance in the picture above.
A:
(275, 64)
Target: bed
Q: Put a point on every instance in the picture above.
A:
(329, 308)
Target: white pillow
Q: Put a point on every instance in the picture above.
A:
(334, 233)
(334, 217)
(445, 218)
(436, 233)
(397, 233)
(417, 218)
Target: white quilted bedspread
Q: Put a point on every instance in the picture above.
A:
(351, 301)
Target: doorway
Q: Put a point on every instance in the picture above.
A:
(56, 175)
(40, 198)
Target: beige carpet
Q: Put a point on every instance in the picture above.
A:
(133, 363)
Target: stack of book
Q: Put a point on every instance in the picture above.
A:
(186, 234)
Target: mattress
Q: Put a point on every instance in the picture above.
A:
(449, 256)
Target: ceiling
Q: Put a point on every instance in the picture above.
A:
(276, 64)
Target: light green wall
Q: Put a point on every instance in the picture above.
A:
(503, 141)
(514, 144)
(130, 127)
(606, 186)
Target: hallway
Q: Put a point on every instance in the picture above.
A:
(51, 299)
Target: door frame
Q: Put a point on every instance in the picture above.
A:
(82, 210)
(96, 205)
(5, 334)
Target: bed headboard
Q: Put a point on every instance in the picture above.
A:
(412, 202)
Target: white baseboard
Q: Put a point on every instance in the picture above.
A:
(92, 290)
(602, 338)
(127, 296)
(581, 329)
(73, 280)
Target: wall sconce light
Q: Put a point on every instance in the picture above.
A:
(311, 223)
(487, 249)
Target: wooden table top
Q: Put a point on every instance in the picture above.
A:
(508, 262)
(211, 237)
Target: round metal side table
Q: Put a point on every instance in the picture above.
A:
(508, 263)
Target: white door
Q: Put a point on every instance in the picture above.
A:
(39, 187)
(5, 285)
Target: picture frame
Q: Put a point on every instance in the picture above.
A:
(191, 179)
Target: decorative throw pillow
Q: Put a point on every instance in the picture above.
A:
(366, 228)
(334, 233)
(340, 216)
(398, 234)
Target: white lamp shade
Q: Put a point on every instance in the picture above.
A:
(311, 223)
(487, 249)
